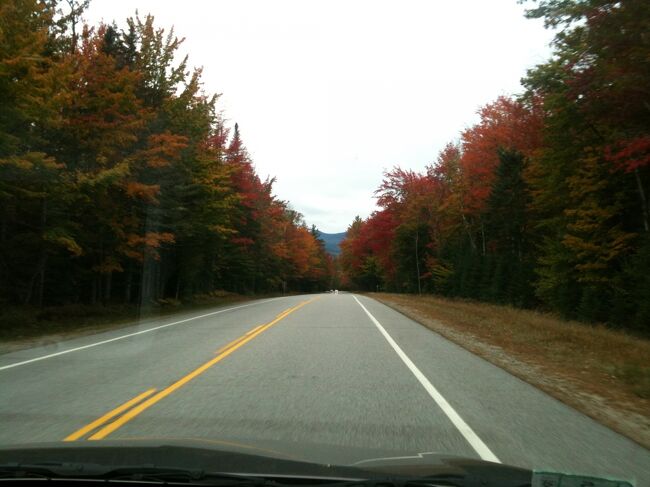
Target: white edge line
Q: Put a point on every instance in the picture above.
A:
(103, 342)
(472, 438)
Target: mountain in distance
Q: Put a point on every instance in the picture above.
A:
(332, 241)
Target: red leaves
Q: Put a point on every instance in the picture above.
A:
(265, 227)
(450, 197)
(396, 187)
(371, 237)
(505, 124)
(629, 155)
(242, 241)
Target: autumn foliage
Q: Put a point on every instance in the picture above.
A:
(119, 181)
(542, 203)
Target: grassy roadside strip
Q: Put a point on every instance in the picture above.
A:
(601, 372)
(26, 327)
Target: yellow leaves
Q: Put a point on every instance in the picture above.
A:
(150, 239)
(31, 161)
(103, 177)
(593, 234)
(59, 237)
(222, 230)
(108, 266)
(439, 271)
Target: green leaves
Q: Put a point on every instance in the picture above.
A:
(118, 180)
(544, 202)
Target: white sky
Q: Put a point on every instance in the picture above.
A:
(328, 94)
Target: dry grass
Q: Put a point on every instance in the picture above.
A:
(602, 372)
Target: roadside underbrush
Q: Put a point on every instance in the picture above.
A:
(21, 324)
(602, 372)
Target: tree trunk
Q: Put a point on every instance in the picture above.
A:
(43, 258)
(41, 279)
(3, 227)
(417, 261)
(108, 287)
(483, 237)
(213, 272)
(30, 289)
(469, 232)
(127, 285)
(644, 201)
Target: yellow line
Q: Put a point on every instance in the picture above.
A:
(111, 414)
(129, 415)
(237, 340)
(254, 329)
(233, 343)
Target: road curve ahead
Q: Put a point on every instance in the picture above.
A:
(329, 378)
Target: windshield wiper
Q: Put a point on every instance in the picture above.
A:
(152, 473)
(441, 480)
(145, 473)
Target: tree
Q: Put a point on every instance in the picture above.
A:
(33, 188)
(593, 165)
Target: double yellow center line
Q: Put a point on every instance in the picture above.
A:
(126, 412)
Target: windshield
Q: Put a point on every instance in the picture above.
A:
(329, 231)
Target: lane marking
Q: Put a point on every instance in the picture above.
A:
(231, 344)
(280, 314)
(255, 329)
(237, 340)
(122, 337)
(108, 416)
(472, 438)
(132, 413)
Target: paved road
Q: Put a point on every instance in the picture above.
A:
(331, 378)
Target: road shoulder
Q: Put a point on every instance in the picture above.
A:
(57, 333)
(576, 381)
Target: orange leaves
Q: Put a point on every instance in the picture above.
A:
(301, 247)
(108, 265)
(101, 113)
(139, 245)
(141, 191)
(396, 188)
(150, 239)
(163, 149)
(122, 160)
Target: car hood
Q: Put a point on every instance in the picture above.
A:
(270, 460)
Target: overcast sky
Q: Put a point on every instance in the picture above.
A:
(329, 94)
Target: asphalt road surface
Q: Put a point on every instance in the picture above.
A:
(330, 378)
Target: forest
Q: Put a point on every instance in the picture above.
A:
(542, 203)
(119, 179)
